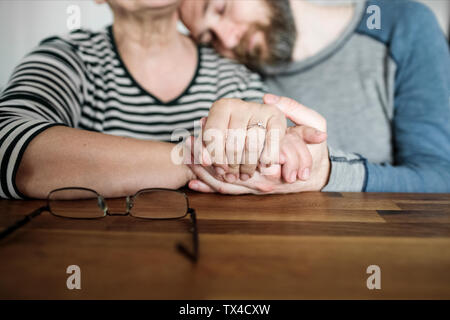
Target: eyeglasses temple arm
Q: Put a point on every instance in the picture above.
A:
(191, 256)
(195, 231)
(22, 222)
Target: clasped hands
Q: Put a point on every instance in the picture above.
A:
(246, 147)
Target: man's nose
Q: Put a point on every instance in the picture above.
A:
(228, 34)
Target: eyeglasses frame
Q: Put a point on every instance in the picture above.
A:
(193, 256)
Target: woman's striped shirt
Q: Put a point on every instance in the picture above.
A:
(80, 81)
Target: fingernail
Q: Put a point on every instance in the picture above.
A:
(193, 185)
(271, 98)
(305, 175)
(245, 177)
(293, 177)
(318, 132)
(220, 171)
(230, 177)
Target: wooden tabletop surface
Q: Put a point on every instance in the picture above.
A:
(301, 246)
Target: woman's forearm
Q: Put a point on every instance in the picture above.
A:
(113, 166)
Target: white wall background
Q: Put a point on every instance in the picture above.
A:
(23, 23)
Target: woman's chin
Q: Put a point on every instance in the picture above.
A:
(139, 5)
(158, 4)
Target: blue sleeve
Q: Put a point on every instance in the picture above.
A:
(421, 125)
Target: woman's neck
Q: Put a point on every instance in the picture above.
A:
(161, 59)
(147, 32)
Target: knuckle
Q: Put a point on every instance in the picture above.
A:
(266, 158)
(291, 158)
(292, 139)
(273, 110)
(232, 158)
(222, 103)
(291, 103)
(270, 108)
(248, 169)
(252, 148)
(306, 161)
(286, 148)
(292, 107)
(299, 131)
(236, 153)
(230, 148)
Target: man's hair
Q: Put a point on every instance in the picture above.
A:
(283, 30)
(280, 37)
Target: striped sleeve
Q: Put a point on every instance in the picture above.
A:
(45, 90)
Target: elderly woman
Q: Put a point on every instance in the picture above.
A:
(97, 109)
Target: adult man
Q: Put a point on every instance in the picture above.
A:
(378, 71)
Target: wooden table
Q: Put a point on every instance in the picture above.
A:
(311, 245)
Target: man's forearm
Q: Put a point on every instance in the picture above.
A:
(352, 173)
(423, 175)
(113, 166)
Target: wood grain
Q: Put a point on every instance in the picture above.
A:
(311, 245)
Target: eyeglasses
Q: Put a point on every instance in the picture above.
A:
(149, 204)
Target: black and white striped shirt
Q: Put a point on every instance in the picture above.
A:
(80, 81)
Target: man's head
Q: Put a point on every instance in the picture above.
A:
(255, 32)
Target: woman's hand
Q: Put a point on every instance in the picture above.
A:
(240, 135)
(266, 180)
(311, 129)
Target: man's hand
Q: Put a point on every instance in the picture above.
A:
(265, 181)
(310, 128)
(295, 156)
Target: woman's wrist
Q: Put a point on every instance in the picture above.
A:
(190, 175)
